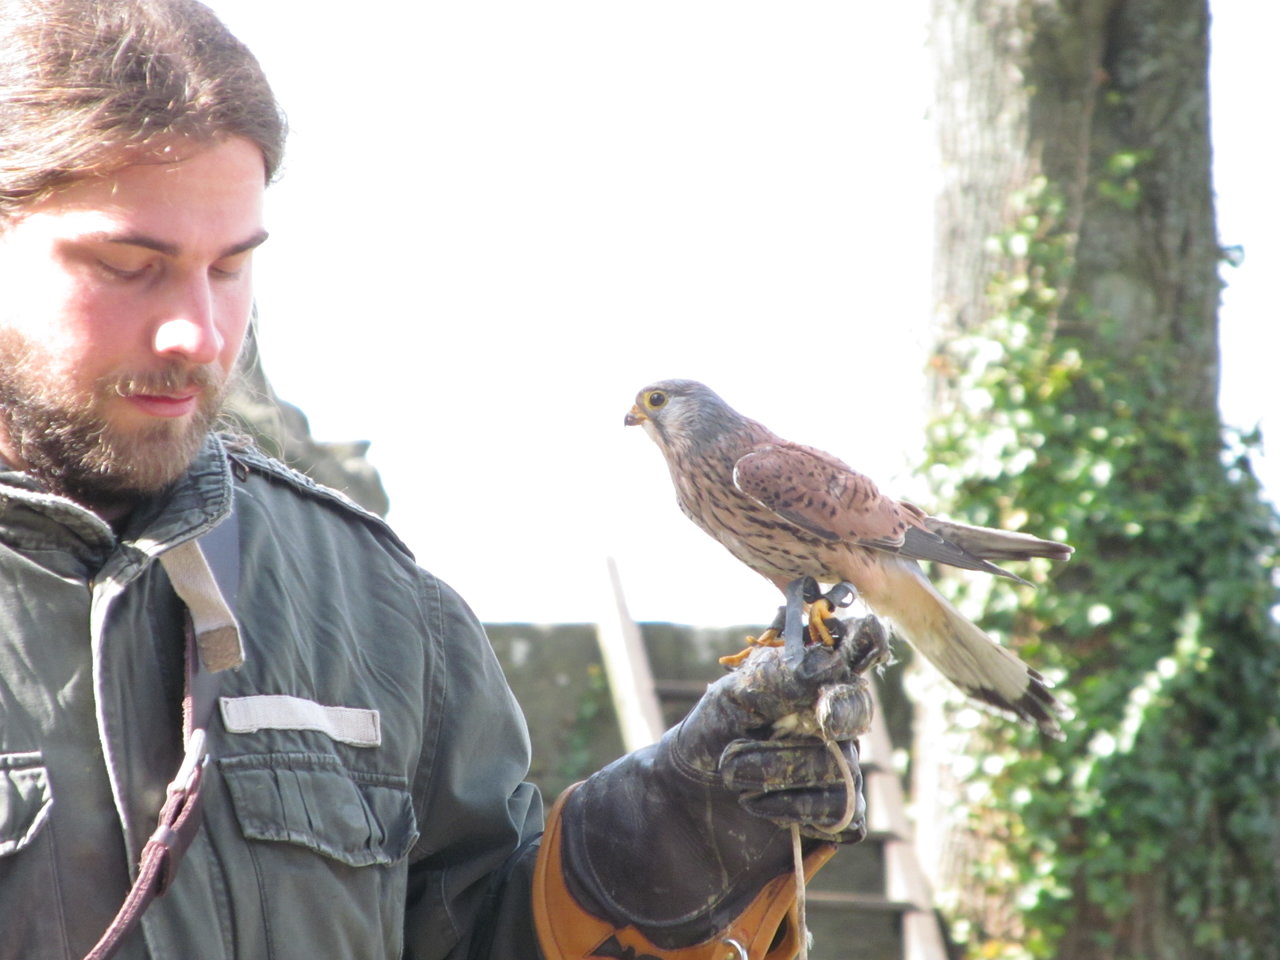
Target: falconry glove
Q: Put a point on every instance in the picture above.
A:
(679, 844)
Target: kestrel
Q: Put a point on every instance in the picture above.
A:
(789, 511)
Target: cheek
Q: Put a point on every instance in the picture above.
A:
(234, 311)
(37, 299)
(78, 333)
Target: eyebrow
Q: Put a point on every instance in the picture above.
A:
(172, 249)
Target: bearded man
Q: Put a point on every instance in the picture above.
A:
(350, 782)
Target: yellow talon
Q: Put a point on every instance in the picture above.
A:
(819, 611)
(769, 638)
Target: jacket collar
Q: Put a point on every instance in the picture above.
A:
(33, 519)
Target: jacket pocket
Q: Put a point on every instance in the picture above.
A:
(313, 801)
(30, 901)
(318, 833)
(25, 800)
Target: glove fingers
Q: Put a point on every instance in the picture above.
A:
(816, 811)
(844, 710)
(765, 688)
(797, 781)
(768, 765)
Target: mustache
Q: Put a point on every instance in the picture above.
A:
(176, 378)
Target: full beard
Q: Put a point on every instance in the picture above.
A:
(62, 436)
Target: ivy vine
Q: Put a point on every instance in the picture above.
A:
(1161, 629)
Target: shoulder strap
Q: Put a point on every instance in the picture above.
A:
(205, 573)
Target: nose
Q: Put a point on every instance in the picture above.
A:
(189, 330)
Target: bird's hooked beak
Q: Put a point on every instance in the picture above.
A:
(635, 416)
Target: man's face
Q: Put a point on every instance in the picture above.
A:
(124, 302)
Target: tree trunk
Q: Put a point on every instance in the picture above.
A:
(1108, 101)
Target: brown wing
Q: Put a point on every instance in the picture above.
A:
(821, 494)
(827, 497)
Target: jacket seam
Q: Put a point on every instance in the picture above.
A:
(60, 896)
(436, 694)
(275, 471)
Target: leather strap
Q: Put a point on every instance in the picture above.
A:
(209, 591)
(765, 930)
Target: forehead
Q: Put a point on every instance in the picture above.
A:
(180, 195)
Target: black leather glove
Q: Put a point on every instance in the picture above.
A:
(676, 839)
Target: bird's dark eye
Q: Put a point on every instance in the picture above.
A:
(656, 399)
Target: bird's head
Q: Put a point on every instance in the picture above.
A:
(681, 414)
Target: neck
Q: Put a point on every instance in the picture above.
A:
(113, 509)
(115, 513)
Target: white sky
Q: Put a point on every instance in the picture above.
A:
(499, 220)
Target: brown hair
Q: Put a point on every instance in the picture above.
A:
(88, 86)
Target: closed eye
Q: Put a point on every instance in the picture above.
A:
(134, 256)
(120, 270)
(228, 268)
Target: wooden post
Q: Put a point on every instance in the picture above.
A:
(626, 665)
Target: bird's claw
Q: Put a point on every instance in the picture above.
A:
(819, 617)
(824, 627)
(788, 630)
(770, 638)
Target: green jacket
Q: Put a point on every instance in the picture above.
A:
(419, 846)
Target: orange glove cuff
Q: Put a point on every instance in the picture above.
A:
(567, 932)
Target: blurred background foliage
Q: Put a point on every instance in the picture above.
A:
(1161, 628)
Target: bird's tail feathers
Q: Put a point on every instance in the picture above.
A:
(989, 543)
(966, 656)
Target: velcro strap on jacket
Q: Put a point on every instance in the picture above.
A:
(766, 930)
(352, 725)
(217, 635)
